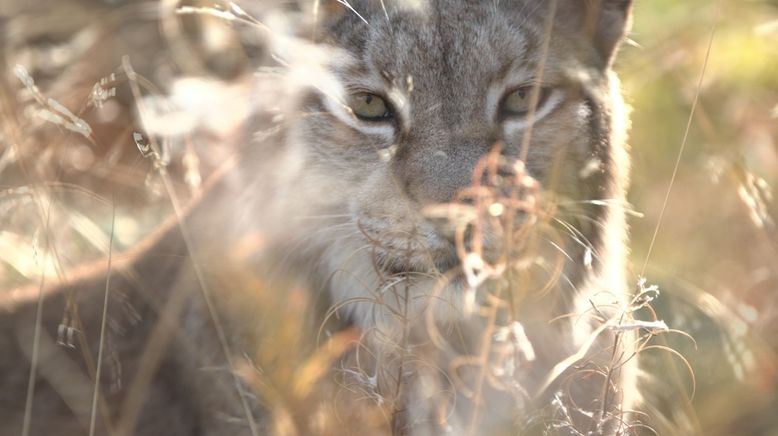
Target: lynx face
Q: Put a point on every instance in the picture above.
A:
(409, 106)
(419, 95)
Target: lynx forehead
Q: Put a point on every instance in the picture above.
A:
(442, 84)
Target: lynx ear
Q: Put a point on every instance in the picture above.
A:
(606, 22)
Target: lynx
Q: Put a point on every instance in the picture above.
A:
(441, 188)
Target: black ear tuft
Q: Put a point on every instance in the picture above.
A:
(606, 22)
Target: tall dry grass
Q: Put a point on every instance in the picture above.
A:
(82, 178)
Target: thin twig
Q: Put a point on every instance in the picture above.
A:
(100, 347)
(683, 146)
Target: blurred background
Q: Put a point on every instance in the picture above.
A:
(715, 257)
(71, 146)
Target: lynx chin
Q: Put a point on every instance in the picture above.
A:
(425, 234)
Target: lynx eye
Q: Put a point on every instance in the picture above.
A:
(518, 102)
(370, 107)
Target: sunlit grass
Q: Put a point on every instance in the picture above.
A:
(715, 258)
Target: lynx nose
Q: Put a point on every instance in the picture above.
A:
(436, 174)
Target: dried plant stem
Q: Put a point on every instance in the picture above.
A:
(399, 413)
(612, 366)
(34, 359)
(101, 345)
(400, 408)
(685, 140)
(483, 366)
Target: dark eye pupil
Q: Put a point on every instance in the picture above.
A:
(522, 93)
(368, 99)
